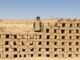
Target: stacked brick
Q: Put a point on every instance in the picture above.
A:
(59, 38)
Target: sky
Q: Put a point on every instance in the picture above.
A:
(21, 9)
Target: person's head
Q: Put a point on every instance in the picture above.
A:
(37, 18)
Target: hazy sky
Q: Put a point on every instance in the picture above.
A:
(43, 8)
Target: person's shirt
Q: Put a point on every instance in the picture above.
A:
(37, 26)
